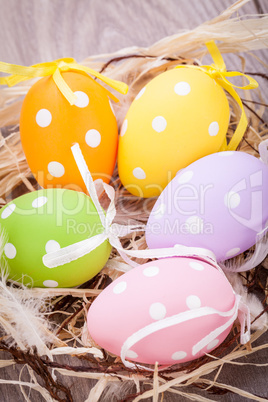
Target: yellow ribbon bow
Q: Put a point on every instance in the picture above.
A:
(218, 72)
(54, 68)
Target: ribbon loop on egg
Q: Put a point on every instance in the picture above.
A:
(217, 71)
(64, 87)
(216, 56)
(54, 68)
(113, 232)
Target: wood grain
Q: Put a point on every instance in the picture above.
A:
(35, 31)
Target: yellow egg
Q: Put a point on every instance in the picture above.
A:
(177, 118)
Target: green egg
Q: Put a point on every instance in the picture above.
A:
(47, 220)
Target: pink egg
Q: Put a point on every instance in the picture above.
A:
(219, 202)
(153, 293)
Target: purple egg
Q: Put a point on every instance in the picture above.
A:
(219, 202)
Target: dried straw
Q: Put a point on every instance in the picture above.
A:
(68, 307)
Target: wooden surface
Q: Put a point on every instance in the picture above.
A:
(33, 31)
(41, 30)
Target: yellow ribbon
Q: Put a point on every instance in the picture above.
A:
(54, 68)
(218, 72)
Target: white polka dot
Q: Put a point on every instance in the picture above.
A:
(82, 99)
(185, 177)
(111, 106)
(39, 202)
(194, 225)
(213, 128)
(124, 128)
(8, 211)
(151, 271)
(120, 287)
(51, 246)
(233, 252)
(93, 138)
(56, 169)
(193, 302)
(159, 212)
(179, 355)
(139, 173)
(159, 124)
(231, 200)
(131, 354)
(10, 251)
(213, 344)
(43, 118)
(197, 266)
(226, 153)
(157, 311)
(182, 88)
(50, 283)
(140, 93)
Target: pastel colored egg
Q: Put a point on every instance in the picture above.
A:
(45, 221)
(49, 126)
(155, 292)
(219, 202)
(177, 118)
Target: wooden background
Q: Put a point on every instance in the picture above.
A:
(33, 31)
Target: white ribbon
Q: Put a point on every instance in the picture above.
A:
(112, 231)
(244, 319)
(239, 309)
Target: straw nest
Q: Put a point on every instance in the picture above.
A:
(58, 316)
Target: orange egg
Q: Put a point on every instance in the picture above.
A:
(49, 126)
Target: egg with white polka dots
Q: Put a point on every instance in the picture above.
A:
(148, 298)
(49, 126)
(219, 203)
(45, 221)
(177, 118)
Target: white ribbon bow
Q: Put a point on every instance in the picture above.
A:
(113, 231)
